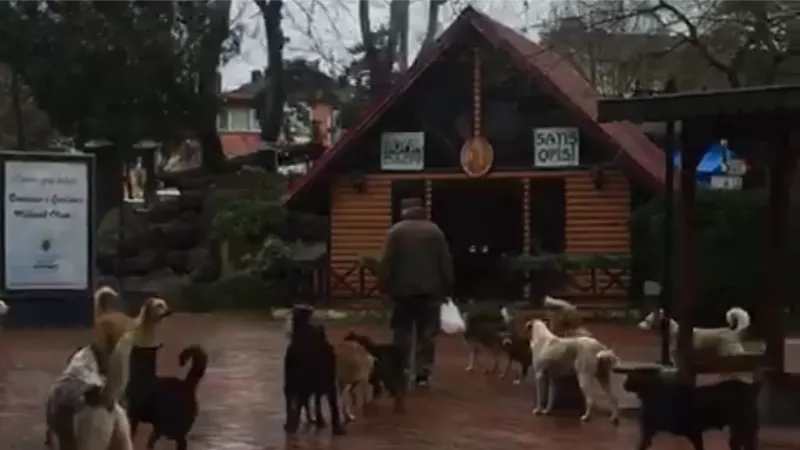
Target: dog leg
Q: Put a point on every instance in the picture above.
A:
(473, 358)
(293, 407)
(523, 374)
(551, 394)
(645, 438)
(585, 384)
(155, 435)
(333, 406)
(319, 418)
(504, 374)
(540, 389)
(605, 383)
(346, 399)
(180, 443)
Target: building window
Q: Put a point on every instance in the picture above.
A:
(239, 119)
(222, 120)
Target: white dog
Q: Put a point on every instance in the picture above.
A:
(555, 356)
(3, 308)
(96, 427)
(722, 341)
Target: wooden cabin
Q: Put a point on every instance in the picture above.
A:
(499, 136)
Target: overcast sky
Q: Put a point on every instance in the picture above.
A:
(323, 29)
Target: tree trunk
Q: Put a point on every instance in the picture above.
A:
(274, 97)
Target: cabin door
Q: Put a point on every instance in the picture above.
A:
(482, 220)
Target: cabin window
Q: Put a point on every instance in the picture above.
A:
(548, 216)
(405, 189)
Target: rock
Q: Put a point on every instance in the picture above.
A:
(197, 257)
(143, 263)
(182, 235)
(164, 211)
(177, 261)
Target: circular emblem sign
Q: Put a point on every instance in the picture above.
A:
(477, 156)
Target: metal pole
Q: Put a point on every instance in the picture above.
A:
(17, 104)
(669, 206)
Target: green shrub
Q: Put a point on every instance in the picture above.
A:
(240, 292)
(730, 230)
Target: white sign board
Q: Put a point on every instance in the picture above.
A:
(556, 147)
(726, 182)
(46, 221)
(403, 151)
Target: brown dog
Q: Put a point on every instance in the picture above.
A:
(109, 326)
(354, 366)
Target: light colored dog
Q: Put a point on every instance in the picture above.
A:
(3, 308)
(110, 325)
(555, 356)
(354, 366)
(95, 425)
(564, 318)
(720, 341)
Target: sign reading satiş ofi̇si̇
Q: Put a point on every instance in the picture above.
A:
(46, 213)
(556, 147)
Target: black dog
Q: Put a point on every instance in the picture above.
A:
(168, 403)
(684, 410)
(518, 349)
(309, 370)
(485, 329)
(388, 370)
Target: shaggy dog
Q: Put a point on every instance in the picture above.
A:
(564, 318)
(109, 325)
(354, 367)
(388, 371)
(172, 404)
(720, 341)
(555, 356)
(684, 410)
(309, 370)
(83, 411)
(486, 330)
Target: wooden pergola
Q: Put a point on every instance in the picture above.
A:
(766, 115)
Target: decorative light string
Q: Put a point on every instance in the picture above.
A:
(476, 94)
(526, 229)
(428, 198)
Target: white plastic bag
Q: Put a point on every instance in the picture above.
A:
(450, 318)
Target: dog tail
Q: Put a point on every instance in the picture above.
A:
(103, 297)
(558, 303)
(199, 359)
(607, 360)
(738, 319)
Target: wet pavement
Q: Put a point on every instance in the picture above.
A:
(242, 406)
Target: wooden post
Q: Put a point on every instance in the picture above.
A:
(772, 308)
(687, 286)
(526, 231)
(667, 283)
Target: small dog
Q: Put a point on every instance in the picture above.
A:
(309, 370)
(554, 356)
(518, 349)
(684, 410)
(83, 410)
(3, 308)
(172, 406)
(354, 367)
(388, 371)
(486, 330)
(110, 325)
(564, 319)
(720, 341)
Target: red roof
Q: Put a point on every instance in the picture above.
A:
(632, 150)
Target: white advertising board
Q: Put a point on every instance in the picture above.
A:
(46, 225)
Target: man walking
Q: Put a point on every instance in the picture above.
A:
(416, 273)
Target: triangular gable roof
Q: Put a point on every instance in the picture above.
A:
(633, 151)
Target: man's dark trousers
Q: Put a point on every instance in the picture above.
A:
(422, 312)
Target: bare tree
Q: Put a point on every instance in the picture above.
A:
(274, 98)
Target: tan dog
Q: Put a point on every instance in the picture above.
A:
(555, 356)
(564, 318)
(354, 366)
(109, 326)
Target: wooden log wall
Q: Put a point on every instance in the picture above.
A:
(597, 221)
(359, 221)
